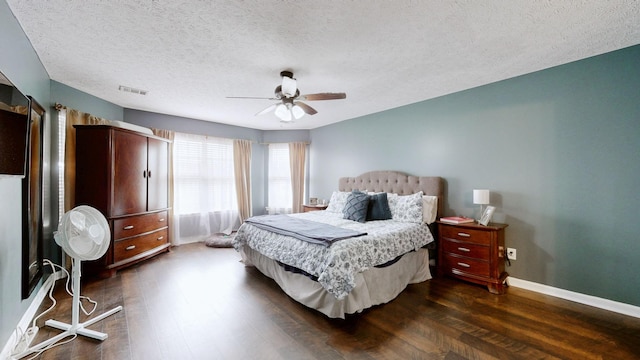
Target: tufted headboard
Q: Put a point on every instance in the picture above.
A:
(396, 182)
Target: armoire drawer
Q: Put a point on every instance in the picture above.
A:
(125, 249)
(139, 224)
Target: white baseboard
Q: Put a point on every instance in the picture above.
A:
(601, 303)
(27, 317)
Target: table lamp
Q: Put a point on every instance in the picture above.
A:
(481, 197)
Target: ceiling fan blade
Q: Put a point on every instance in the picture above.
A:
(266, 110)
(323, 96)
(307, 109)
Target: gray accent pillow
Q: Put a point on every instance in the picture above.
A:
(356, 207)
(378, 207)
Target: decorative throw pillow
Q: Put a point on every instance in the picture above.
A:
(378, 207)
(407, 208)
(356, 207)
(337, 201)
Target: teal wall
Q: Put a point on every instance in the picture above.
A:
(76, 99)
(557, 148)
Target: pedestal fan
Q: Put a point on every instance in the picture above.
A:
(83, 233)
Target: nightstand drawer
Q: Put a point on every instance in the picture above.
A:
(468, 235)
(460, 266)
(466, 249)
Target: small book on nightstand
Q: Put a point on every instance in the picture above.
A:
(457, 220)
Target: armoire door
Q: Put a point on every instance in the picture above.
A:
(130, 173)
(158, 175)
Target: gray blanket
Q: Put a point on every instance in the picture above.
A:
(306, 230)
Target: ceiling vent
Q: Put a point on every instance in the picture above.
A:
(132, 90)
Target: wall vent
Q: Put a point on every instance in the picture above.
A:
(132, 90)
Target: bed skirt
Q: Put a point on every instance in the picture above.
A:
(373, 287)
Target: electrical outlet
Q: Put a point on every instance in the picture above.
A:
(511, 253)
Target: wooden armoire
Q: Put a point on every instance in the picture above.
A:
(125, 175)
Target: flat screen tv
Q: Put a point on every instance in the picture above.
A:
(14, 130)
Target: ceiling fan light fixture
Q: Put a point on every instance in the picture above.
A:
(297, 112)
(283, 113)
(289, 86)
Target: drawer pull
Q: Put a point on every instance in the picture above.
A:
(464, 235)
(464, 265)
(128, 227)
(161, 220)
(130, 247)
(160, 238)
(464, 249)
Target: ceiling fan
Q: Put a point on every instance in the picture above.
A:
(290, 105)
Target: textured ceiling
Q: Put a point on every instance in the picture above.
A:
(191, 55)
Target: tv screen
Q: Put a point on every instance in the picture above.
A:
(13, 139)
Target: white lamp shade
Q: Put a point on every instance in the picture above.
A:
(283, 113)
(288, 86)
(297, 112)
(481, 197)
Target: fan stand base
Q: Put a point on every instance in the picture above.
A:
(70, 330)
(81, 328)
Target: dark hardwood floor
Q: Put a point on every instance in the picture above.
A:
(202, 303)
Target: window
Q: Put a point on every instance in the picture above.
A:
(204, 177)
(280, 193)
(205, 199)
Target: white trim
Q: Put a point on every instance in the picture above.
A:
(27, 317)
(601, 303)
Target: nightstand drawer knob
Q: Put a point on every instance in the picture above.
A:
(128, 227)
(464, 249)
(464, 235)
(130, 247)
(464, 265)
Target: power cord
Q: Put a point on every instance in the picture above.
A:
(25, 338)
(506, 256)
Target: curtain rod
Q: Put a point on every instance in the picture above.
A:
(59, 106)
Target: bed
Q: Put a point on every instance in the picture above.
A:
(371, 268)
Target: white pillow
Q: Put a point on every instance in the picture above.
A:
(337, 201)
(407, 208)
(429, 208)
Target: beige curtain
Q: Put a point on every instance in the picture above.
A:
(169, 135)
(242, 169)
(74, 117)
(297, 158)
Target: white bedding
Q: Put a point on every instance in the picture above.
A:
(337, 266)
(375, 286)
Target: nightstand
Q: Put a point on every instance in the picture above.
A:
(473, 253)
(307, 208)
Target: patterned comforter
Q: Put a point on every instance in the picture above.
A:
(337, 265)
